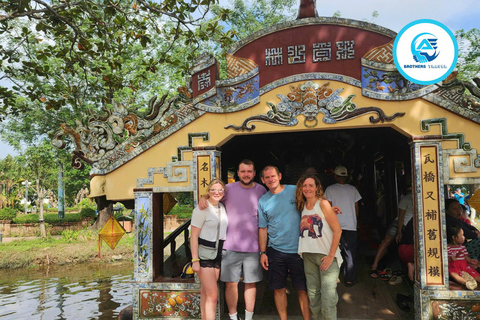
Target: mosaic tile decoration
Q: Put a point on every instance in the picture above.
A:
(382, 54)
(237, 66)
(143, 237)
(310, 99)
(391, 85)
(455, 309)
(169, 304)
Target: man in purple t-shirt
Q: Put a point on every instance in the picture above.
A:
(241, 252)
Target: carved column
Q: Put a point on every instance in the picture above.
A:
(430, 236)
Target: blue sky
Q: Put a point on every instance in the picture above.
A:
(394, 15)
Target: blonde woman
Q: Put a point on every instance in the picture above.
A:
(319, 239)
(209, 228)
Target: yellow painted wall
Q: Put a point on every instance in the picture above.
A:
(120, 183)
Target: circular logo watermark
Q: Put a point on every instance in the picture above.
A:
(425, 51)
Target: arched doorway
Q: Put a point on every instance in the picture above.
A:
(379, 160)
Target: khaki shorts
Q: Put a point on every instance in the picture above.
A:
(235, 264)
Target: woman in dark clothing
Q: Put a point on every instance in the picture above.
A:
(454, 210)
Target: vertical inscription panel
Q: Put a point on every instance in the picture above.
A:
(204, 173)
(432, 228)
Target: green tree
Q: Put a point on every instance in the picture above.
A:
(72, 54)
(248, 17)
(40, 164)
(75, 180)
(10, 178)
(469, 54)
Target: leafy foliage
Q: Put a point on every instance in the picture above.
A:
(88, 213)
(469, 54)
(49, 218)
(10, 181)
(77, 54)
(7, 213)
(182, 212)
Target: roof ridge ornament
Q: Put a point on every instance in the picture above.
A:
(307, 9)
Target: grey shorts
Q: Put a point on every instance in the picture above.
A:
(392, 229)
(235, 264)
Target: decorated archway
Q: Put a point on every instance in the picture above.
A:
(314, 76)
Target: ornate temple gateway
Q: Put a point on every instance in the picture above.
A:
(315, 92)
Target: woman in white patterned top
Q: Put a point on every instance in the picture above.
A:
(319, 239)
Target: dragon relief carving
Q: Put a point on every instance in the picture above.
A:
(104, 138)
(310, 99)
(453, 84)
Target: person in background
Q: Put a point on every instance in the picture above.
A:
(454, 213)
(458, 260)
(209, 227)
(346, 197)
(459, 196)
(320, 234)
(464, 216)
(395, 230)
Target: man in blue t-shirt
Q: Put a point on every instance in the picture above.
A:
(279, 223)
(459, 196)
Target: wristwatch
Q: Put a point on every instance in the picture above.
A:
(263, 252)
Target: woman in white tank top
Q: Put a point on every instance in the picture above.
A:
(318, 245)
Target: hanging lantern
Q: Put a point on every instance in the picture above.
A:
(111, 233)
(168, 202)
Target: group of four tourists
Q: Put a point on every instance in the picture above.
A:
(233, 224)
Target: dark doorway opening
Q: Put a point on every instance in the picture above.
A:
(379, 162)
(377, 158)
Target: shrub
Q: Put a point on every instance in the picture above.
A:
(182, 212)
(86, 203)
(49, 218)
(7, 214)
(88, 213)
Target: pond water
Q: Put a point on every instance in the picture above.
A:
(81, 291)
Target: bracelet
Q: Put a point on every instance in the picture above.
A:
(195, 260)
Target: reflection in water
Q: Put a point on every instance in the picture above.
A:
(83, 291)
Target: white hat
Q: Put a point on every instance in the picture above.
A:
(341, 171)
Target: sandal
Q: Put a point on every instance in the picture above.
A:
(382, 275)
(374, 274)
(389, 272)
(395, 280)
(398, 273)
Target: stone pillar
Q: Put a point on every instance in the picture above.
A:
(143, 256)
(431, 262)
